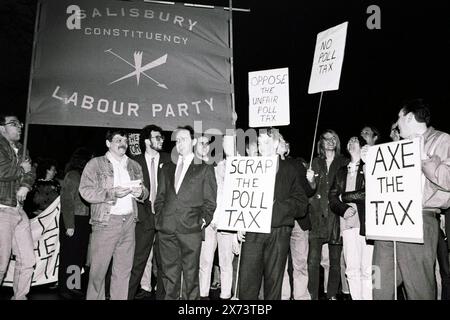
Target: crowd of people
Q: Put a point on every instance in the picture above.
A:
(133, 222)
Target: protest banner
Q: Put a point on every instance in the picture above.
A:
(268, 93)
(248, 194)
(107, 63)
(394, 192)
(45, 233)
(328, 59)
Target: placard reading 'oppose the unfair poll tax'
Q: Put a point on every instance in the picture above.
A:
(268, 93)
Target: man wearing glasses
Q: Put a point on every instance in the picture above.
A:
(151, 160)
(16, 179)
(112, 184)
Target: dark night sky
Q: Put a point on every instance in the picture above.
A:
(407, 58)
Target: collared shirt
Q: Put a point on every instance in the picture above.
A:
(148, 160)
(186, 163)
(124, 205)
(436, 170)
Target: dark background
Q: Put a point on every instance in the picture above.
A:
(407, 58)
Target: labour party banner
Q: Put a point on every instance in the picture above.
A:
(394, 192)
(268, 93)
(45, 233)
(248, 194)
(328, 58)
(128, 63)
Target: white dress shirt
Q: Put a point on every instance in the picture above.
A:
(186, 163)
(148, 160)
(123, 205)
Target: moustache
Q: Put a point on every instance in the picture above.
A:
(123, 147)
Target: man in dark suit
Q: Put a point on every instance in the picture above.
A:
(265, 254)
(184, 205)
(151, 160)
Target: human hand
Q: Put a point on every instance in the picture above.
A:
(310, 175)
(21, 194)
(364, 151)
(350, 212)
(241, 236)
(120, 192)
(213, 225)
(136, 191)
(26, 165)
(236, 245)
(70, 232)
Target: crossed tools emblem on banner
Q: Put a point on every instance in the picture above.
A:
(139, 68)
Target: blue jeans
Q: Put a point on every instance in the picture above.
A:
(15, 235)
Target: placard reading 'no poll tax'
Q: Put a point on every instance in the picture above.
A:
(248, 194)
(394, 192)
(268, 93)
(328, 58)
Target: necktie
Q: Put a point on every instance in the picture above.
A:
(152, 183)
(178, 174)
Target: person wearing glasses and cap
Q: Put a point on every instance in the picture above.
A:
(151, 160)
(16, 178)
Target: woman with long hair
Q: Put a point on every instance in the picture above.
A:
(324, 223)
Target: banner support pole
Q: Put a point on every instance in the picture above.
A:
(33, 57)
(235, 297)
(315, 130)
(395, 270)
(230, 31)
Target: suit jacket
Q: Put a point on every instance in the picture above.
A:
(304, 222)
(196, 199)
(290, 197)
(145, 214)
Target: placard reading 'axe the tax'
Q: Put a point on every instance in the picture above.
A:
(268, 93)
(248, 194)
(394, 192)
(328, 58)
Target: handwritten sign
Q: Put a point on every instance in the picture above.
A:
(45, 233)
(328, 59)
(248, 194)
(394, 192)
(133, 144)
(268, 93)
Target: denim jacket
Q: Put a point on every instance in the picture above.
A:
(12, 176)
(97, 187)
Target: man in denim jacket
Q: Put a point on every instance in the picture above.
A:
(16, 178)
(112, 184)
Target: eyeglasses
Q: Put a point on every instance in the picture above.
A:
(158, 138)
(119, 140)
(330, 138)
(16, 124)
